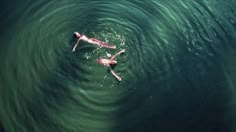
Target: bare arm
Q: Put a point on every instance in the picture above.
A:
(114, 56)
(113, 73)
(76, 45)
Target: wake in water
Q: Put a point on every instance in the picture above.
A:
(106, 62)
(175, 77)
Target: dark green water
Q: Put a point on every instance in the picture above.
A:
(178, 70)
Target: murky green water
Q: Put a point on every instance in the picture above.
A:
(177, 72)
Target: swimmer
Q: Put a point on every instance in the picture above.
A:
(112, 61)
(92, 41)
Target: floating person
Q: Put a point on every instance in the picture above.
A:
(112, 61)
(92, 41)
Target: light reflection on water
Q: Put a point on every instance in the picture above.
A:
(174, 74)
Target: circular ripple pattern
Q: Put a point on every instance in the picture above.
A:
(53, 89)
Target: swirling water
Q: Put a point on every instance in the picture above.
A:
(172, 74)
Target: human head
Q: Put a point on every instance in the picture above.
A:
(77, 34)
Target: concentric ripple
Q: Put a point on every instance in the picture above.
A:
(48, 88)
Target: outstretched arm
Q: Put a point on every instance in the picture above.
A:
(113, 73)
(76, 45)
(114, 56)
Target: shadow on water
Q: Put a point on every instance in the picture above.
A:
(191, 99)
(194, 96)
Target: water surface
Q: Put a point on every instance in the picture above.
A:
(178, 69)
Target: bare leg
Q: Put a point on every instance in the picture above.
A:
(102, 44)
(76, 45)
(95, 40)
(114, 56)
(114, 74)
(108, 45)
